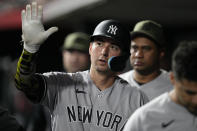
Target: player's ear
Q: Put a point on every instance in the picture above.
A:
(172, 79)
(130, 47)
(63, 52)
(162, 54)
(90, 48)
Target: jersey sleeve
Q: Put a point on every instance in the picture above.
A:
(26, 79)
(57, 85)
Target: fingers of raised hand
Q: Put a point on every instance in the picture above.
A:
(50, 31)
(23, 16)
(28, 12)
(32, 12)
(40, 12)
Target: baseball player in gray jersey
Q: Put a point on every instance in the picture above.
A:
(147, 50)
(92, 100)
(177, 110)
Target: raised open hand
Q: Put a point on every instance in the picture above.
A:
(33, 30)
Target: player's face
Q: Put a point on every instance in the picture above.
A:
(101, 49)
(145, 55)
(186, 94)
(74, 61)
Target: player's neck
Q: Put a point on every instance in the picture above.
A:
(174, 97)
(145, 78)
(102, 81)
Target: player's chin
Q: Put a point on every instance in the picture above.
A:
(102, 68)
(139, 68)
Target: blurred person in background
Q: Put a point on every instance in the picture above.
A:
(8, 121)
(147, 51)
(14, 103)
(14, 106)
(75, 52)
(6, 76)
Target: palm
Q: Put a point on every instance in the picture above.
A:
(33, 31)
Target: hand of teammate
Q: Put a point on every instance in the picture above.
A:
(33, 32)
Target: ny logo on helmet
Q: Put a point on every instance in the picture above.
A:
(112, 29)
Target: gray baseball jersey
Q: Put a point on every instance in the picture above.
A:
(76, 104)
(153, 88)
(161, 114)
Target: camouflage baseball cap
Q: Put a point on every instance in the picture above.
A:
(77, 41)
(149, 29)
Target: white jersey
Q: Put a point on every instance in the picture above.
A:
(161, 114)
(154, 88)
(76, 104)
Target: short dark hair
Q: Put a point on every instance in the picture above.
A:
(184, 62)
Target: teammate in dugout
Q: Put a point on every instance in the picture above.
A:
(147, 51)
(75, 55)
(92, 100)
(176, 110)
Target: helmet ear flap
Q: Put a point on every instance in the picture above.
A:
(118, 63)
